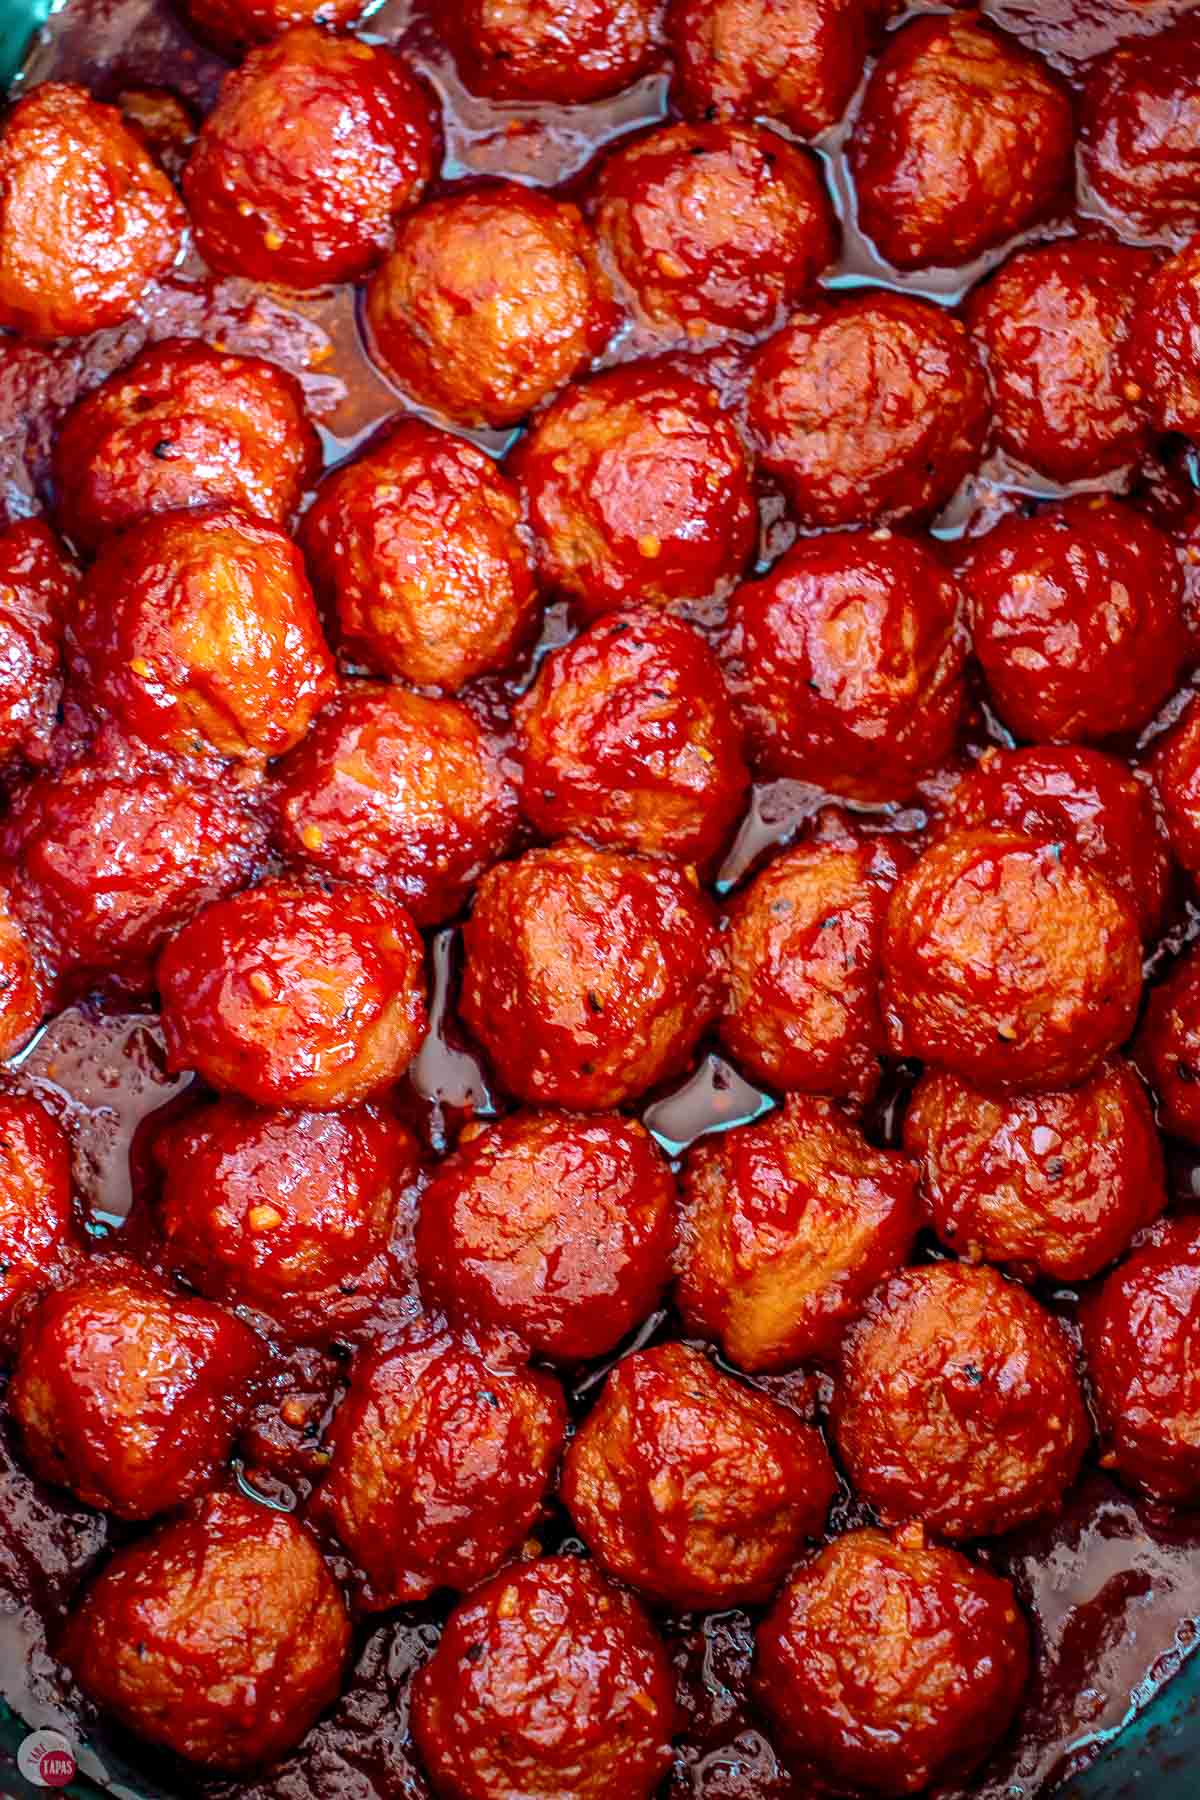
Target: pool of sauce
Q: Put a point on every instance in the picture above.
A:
(1112, 1585)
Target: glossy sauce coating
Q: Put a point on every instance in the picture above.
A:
(24, 988)
(37, 586)
(38, 1231)
(233, 25)
(1139, 151)
(1164, 343)
(563, 51)
(1168, 1048)
(1175, 767)
(798, 62)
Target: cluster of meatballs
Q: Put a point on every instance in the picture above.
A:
(262, 728)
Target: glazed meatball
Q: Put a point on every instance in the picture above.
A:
(87, 220)
(870, 410)
(1168, 1049)
(787, 1225)
(221, 1636)
(714, 228)
(963, 140)
(288, 1213)
(36, 589)
(1139, 147)
(183, 425)
(557, 1229)
(1077, 620)
(888, 1664)
(113, 855)
(24, 987)
(1054, 325)
(548, 1681)
(1082, 797)
(590, 976)
(1053, 1184)
(802, 946)
(797, 61)
(1009, 961)
(314, 147)
(845, 663)
(403, 793)
(441, 1453)
(1163, 355)
(294, 996)
(198, 630)
(1176, 770)
(37, 1223)
(958, 1404)
(127, 1394)
(419, 548)
(1139, 1336)
(492, 299)
(565, 52)
(638, 488)
(627, 738)
(233, 25)
(692, 1487)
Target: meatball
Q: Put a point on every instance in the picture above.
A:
(87, 220)
(24, 991)
(565, 52)
(787, 1226)
(627, 738)
(198, 630)
(294, 996)
(888, 1664)
(492, 299)
(1139, 1335)
(183, 425)
(957, 1403)
(590, 976)
(1168, 1049)
(692, 1487)
(964, 139)
(419, 548)
(289, 1213)
(638, 488)
(797, 61)
(113, 855)
(802, 952)
(221, 1636)
(234, 25)
(547, 1681)
(1163, 354)
(1054, 1184)
(557, 1229)
(36, 589)
(127, 1394)
(314, 147)
(714, 228)
(441, 1453)
(1009, 961)
(1082, 797)
(37, 1222)
(871, 409)
(1054, 324)
(1139, 150)
(405, 794)
(1176, 770)
(1077, 620)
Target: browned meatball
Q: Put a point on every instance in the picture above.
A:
(37, 587)
(221, 1637)
(419, 548)
(127, 1394)
(637, 487)
(1176, 769)
(627, 738)
(492, 299)
(566, 52)
(1163, 353)
(788, 1225)
(441, 1454)
(1009, 961)
(589, 975)
(38, 1231)
(872, 409)
(692, 1487)
(233, 25)
(802, 951)
(24, 986)
(87, 220)
(714, 228)
(958, 1403)
(184, 424)
(405, 794)
(1053, 1184)
(888, 1663)
(797, 61)
(1168, 1048)
(963, 140)
(1139, 149)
